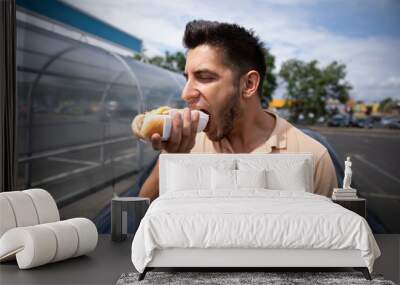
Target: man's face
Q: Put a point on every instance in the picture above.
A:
(212, 87)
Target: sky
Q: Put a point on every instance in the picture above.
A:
(363, 34)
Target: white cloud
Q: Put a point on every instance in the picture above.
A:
(391, 82)
(372, 62)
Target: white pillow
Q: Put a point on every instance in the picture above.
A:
(223, 179)
(183, 177)
(251, 178)
(235, 179)
(189, 176)
(293, 179)
(282, 174)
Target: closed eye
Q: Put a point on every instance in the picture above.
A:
(205, 79)
(205, 75)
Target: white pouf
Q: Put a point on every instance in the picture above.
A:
(32, 233)
(40, 244)
(24, 211)
(7, 220)
(45, 205)
(26, 208)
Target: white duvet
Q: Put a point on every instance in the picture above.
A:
(253, 218)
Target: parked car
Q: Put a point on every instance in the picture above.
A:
(389, 121)
(394, 124)
(385, 121)
(339, 120)
(361, 123)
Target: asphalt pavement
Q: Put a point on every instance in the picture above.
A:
(376, 168)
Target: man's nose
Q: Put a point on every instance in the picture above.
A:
(189, 93)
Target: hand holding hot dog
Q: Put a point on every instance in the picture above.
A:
(183, 133)
(169, 129)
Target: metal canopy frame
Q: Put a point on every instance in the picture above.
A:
(123, 66)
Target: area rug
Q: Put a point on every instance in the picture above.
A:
(228, 278)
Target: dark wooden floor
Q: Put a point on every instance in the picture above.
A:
(106, 264)
(102, 266)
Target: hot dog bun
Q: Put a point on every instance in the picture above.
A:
(149, 123)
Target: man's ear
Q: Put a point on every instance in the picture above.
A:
(250, 82)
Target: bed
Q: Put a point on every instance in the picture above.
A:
(247, 210)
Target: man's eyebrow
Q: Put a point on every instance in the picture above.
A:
(200, 72)
(205, 70)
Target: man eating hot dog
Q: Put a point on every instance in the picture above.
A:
(225, 68)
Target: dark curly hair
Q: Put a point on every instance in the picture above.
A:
(241, 48)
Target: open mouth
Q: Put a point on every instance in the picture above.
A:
(209, 119)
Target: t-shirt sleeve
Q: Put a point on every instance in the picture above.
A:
(324, 176)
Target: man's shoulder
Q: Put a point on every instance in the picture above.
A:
(298, 141)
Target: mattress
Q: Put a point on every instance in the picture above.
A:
(252, 219)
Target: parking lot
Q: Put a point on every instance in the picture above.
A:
(376, 168)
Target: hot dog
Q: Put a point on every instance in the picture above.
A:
(159, 121)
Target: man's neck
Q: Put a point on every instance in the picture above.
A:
(251, 131)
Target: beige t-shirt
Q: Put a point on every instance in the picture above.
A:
(285, 138)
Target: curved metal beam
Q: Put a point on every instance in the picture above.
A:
(142, 101)
(134, 78)
(30, 110)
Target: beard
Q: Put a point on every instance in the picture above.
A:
(228, 114)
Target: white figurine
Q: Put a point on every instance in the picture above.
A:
(347, 174)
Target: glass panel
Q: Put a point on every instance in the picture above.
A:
(157, 85)
(76, 103)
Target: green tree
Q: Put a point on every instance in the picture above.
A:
(270, 81)
(171, 61)
(386, 105)
(158, 60)
(141, 56)
(175, 61)
(334, 81)
(308, 87)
